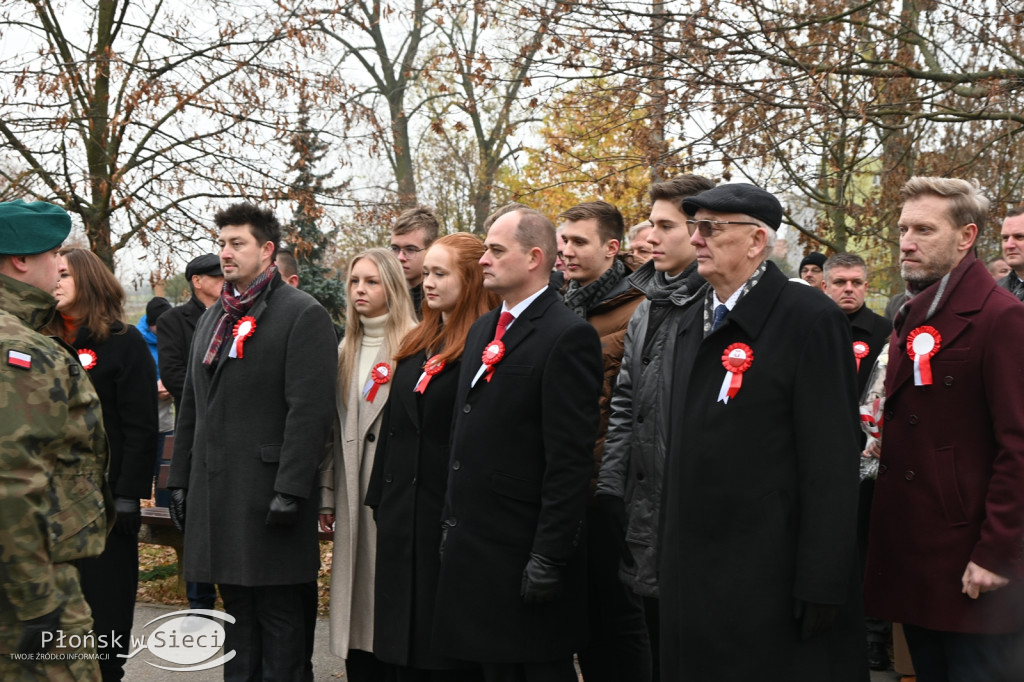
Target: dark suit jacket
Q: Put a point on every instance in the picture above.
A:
(410, 473)
(760, 495)
(874, 330)
(255, 426)
(173, 340)
(1008, 282)
(949, 488)
(521, 460)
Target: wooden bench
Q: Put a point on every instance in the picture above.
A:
(157, 527)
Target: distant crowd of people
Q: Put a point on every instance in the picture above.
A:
(535, 451)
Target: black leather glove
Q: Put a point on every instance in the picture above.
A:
(32, 632)
(815, 619)
(284, 510)
(613, 509)
(177, 508)
(542, 580)
(129, 518)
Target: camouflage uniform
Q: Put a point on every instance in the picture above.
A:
(55, 505)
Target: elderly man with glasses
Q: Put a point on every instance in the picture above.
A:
(758, 561)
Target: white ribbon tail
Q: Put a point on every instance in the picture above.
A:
(723, 394)
(917, 371)
(479, 373)
(233, 353)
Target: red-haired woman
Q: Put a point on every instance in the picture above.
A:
(91, 305)
(409, 476)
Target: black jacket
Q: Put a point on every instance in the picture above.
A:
(125, 378)
(410, 474)
(634, 450)
(173, 340)
(874, 330)
(521, 459)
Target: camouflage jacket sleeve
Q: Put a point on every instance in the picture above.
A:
(53, 458)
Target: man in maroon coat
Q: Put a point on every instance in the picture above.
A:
(946, 544)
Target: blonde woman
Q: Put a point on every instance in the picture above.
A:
(379, 314)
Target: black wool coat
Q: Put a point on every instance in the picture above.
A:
(874, 330)
(173, 341)
(759, 500)
(125, 379)
(521, 460)
(407, 485)
(253, 427)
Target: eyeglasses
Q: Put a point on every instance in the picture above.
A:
(409, 251)
(709, 228)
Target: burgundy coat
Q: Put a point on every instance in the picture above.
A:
(951, 484)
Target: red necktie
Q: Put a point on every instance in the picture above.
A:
(504, 321)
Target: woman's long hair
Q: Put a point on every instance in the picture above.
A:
(449, 338)
(401, 317)
(99, 297)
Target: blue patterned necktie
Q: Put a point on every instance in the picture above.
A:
(720, 312)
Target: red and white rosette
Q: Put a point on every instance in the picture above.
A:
(87, 358)
(736, 359)
(434, 366)
(379, 375)
(860, 351)
(492, 355)
(922, 344)
(243, 330)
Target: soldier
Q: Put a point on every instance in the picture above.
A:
(55, 506)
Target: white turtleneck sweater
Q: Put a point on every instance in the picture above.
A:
(373, 338)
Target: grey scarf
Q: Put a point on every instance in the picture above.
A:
(581, 300)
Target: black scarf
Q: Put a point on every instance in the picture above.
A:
(581, 300)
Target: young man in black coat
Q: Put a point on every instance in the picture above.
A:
(511, 591)
(757, 558)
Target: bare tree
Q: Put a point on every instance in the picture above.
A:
(133, 114)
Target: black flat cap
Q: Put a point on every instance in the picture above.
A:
(28, 228)
(738, 197)
(207, 264)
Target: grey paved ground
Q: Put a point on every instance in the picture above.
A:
(326, 666)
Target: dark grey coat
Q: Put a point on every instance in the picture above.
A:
(255, 426)
(634, 450)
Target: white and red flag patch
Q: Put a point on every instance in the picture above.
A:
(18, 359)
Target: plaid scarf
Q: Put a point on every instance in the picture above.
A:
(234, 308)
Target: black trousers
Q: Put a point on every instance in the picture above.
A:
(270, 632)
(619, 647)
(963, 657)
(109, 583)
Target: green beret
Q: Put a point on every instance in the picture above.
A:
(30, 228)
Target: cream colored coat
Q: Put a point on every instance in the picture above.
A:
(344, 478)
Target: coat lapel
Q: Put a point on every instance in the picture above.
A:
(951, 320)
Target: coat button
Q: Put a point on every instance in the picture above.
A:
(646, 361)
(882, 468)
(370, 437)
(388, 478)
(912, 419)
(451, 522)
(391, 433)
(414, 480)
(889, 414)
(909, 475)
(466, 408)
(640, 419)
(456, 465)
(948, 381)
(639, 475)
